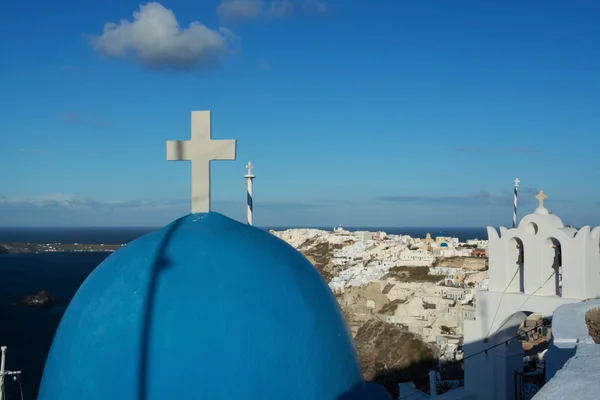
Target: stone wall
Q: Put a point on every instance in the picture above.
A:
(466, 263)
(592, 320)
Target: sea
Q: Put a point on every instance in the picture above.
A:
(28, 331)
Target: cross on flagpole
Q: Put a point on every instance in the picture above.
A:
(249, 198)
(517, 181)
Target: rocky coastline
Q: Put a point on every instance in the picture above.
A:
(17, 248)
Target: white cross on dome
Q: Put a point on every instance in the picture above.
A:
(200, 150)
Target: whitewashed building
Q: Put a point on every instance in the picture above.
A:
(416, 258)
(481, 244)
(350, 254)
(452, 252)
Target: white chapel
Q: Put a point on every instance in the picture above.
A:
(533, 268)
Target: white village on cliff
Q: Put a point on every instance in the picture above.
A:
(469, 309)
(512, 317)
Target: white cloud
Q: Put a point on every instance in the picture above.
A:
(72, 202)
(280, 9)
(316, 5)
(68, 210)
(241, 10)
(49, 200)
(156, 40)
(66, 201)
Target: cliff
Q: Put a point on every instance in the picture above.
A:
(320, 254)
(389, 354)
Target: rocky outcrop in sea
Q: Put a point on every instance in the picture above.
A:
(41, 298)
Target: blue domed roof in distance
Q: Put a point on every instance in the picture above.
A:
(204, 308)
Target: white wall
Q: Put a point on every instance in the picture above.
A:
(519, 287)
(568, 332)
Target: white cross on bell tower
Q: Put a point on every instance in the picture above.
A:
(541, 196)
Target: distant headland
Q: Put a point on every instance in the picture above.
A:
(16, 248)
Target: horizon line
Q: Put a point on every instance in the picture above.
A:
(261, 227)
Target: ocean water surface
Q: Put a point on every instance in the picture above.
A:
(125, 235)
(28, 331)
(72, 235)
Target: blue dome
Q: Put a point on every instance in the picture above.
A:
(204, 308)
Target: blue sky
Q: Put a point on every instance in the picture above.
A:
(379, 113)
